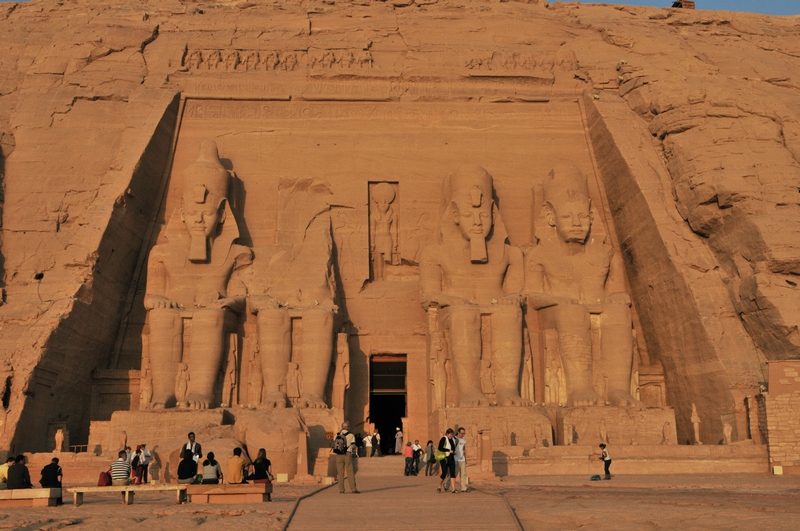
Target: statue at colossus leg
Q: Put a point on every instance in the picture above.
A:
(191, 276)
(572, 274)
(472, 272)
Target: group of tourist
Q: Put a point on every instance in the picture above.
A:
(139, 461)
(14, 474)
(413, 453)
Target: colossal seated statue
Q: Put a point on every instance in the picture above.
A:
(295, 309)
(472, 272)
(571, 275)
(193, 276)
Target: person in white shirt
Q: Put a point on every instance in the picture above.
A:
(417, 449)
(368, 445)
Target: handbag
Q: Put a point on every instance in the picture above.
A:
(441, 455)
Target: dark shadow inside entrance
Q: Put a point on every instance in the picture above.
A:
(387, 400)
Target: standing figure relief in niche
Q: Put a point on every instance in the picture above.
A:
(383, 230)
(472, 272)
(572, 274)
(193, 275)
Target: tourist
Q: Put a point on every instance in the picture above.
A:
(4, 472)
(606, 460)
(212, 473)
(237, 467)
(409, 453)
(121, 471)
(144, 463)
(460, 461)
(344, 446)
(18, 475)
(417, 452)
(376, 444)
(128, 454)
(429, 459)
(368, 445)
(194, 447)
(447, 444)
(137, 457)
(398, 441)
(262, 468)
(187, 468)
(51, 478)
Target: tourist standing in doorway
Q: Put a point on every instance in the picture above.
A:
(429, 459)
(606, 458)
(398, 442)
(368, 445)
(344, 447)
(447, 444)
(376, 443)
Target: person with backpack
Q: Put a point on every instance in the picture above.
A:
(376, 444)
(344, 448)
(368, 445)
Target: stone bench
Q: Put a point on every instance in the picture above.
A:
(226, 493)
(29, 497)
(128, 490)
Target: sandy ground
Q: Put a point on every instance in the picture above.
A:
(542, 503)
(654, 502)
(155, 511)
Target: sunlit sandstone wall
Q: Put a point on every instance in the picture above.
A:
(702, 189)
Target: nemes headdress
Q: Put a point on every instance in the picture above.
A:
(206, 180)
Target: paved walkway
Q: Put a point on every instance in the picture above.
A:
(400, 502)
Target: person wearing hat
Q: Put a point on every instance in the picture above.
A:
(398, 442)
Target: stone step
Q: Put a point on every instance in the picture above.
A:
(390, 465)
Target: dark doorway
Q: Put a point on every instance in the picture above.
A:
(387, 398)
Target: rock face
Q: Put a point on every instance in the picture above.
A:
(337, 122)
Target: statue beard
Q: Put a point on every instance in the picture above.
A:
(477, 249)
(198, 247)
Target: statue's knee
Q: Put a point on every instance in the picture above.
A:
(318, 318)
(271, 319)
(208, 318)
(163, 319)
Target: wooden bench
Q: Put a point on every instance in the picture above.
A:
(128, 490)
(29, 497)
(241, 493)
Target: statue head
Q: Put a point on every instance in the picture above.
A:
(205, 189)
(470, 205)
(569, 208)
(383, 195)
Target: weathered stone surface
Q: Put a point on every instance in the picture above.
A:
(684, 121)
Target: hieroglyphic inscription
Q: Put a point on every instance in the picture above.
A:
(276, 60)
(521, 62)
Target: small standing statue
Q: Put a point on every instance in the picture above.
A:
(383, 230)
(123, 440)
(146, 388)
(341, 374)
(666, 433)
(59, 440)
(603, 432)
(182, 385)
(487, 377)
(293, 382)
(727, 433)
(696, 425)
(537, 436)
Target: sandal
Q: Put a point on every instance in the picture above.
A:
(439, 489)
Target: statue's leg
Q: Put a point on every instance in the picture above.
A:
(315, 357)
(507, 354)
(166, 346)
(575, 343)
(208, 337)
(275, 348)
(464, 323)
(617, 348)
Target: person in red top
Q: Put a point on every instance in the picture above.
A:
(409, 453)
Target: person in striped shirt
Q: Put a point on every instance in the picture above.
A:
(121, 471)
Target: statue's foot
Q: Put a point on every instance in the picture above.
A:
(274, 401)
(157, 405)
(510, 398)
(472, 398)
(311, 402)
(198, 402)
(585, 397)
(622, 398)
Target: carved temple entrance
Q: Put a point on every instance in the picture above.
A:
(387, 397)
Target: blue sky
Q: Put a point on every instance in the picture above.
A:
(769, 7)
